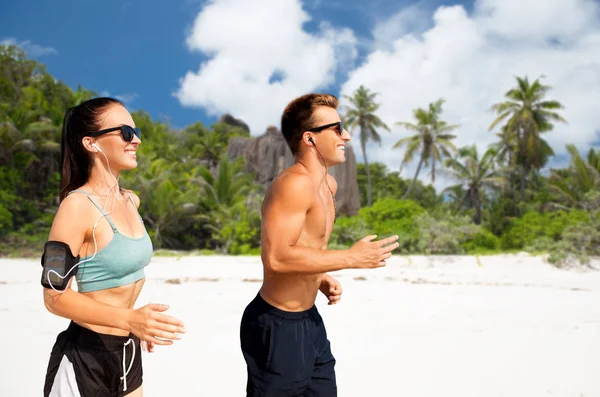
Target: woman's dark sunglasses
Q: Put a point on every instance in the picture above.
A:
(339, 124)
(127, 132)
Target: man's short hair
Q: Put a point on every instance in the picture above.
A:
(298, 116)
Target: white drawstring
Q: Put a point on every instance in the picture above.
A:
(124, 377)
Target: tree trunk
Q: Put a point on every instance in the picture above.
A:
(477, 203)
(464, 199)
(523, 152)
(157, 235)
(415, 178)
(523, 176)
(364, 150)
(513, 188)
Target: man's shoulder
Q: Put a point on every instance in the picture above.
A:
(292, 180)
(332, 183)
(291, 189)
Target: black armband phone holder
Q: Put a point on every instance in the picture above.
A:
(57, 264)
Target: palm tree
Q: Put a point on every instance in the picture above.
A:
(456, 196)
(506, 146)
(432, 140)
(573, 183)
(11, 141)
(505, 149)
(234, 223)
(593, 159)
(231, 185)
(42, 142)
(209, 148)
(362, 115)
(231, 197)
(82, 95)
(477, 174)
(170, 198)
(527, 115)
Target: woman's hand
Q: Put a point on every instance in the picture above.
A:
(147, 346)
(150, 325)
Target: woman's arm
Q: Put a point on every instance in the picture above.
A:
(72, 223)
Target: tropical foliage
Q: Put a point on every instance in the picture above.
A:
(432, 140)
(194, 197)
(361, 115)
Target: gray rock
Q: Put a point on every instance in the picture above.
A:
(229, 119)
(347, 196)
(267, 155)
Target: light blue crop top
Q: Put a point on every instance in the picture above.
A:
(121, 262)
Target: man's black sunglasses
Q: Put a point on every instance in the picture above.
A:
(340, 125)
(127, 132)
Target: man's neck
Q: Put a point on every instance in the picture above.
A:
(313, 164)
(317, 171)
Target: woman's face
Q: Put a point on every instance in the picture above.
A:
(120, 154)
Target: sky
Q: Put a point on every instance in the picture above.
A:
(184, 61)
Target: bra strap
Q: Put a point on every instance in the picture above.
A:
(114, 228)
(134, 206)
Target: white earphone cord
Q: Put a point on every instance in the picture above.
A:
(326, 181)
(104, 213)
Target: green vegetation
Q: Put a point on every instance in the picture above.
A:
(432, 140)
(192, 196)
(361, 115)
(195, 199)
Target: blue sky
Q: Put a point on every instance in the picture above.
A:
(136, 48)
(188, 60)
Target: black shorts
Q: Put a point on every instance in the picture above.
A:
(88, 364)
(286, 353)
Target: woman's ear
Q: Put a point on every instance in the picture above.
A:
(87, 143)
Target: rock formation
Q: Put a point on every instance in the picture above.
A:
(267, 155)
(229, 119)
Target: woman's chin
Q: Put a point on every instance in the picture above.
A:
(129, 165)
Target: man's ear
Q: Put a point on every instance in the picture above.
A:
(308, 139)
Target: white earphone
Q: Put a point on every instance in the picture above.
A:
(104, 213)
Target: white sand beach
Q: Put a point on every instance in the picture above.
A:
(507, 325)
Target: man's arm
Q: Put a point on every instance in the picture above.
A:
(284, 216)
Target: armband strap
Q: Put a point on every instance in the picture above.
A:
(57, 265)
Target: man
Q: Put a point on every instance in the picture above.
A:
(283, 337)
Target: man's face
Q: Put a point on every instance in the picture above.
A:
(330, 141)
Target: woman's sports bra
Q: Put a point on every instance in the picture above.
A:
(121, 262)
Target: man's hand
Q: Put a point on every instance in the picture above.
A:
(331, 288)
(368, 254)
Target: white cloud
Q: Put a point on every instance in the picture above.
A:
(472, 60)
(537, 20)
(250, 42)
(412, 19)
(33, 50)
(126, 98)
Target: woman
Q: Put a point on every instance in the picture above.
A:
(98, 236)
